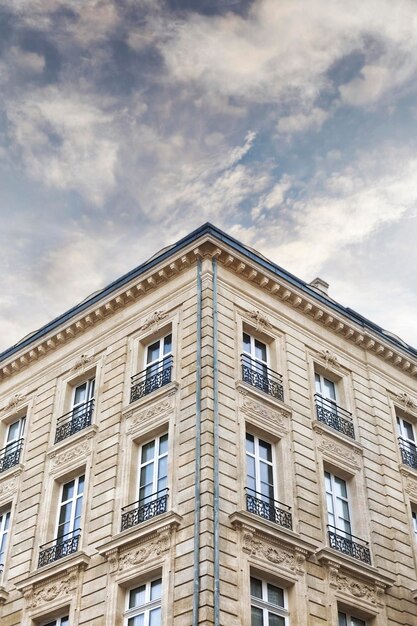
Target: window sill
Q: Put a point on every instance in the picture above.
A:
(11, 472)
(138, 543)
(246, 389)
(336, 560)
(165, 390)
(66, 566)
(284, 548)
(85, 433)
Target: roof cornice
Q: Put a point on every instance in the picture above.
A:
(208, 241)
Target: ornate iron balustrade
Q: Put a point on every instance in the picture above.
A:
(333, 416)
(58, 548)
(75, 420)
(408, 452)
(262, 377)
(268, 508)
(10, 455)
(152, 378)
(349, 544)
(144, 509)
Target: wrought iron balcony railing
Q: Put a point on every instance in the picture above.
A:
(152, 378)
(349, 544)
(268, 508)
(334, 416)
(10, 455)
(262, 377)
(75, 420)
(408, 452)
(144, 509)
(60, 547)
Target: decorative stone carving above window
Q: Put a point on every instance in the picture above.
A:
(73, 450)
(260, 319)
(261, 412)
(153, 320)
(330, 359)
(9, 486)
(81, 362)
(335, 449)
(136, 419)
(14, 402)
(405, 400)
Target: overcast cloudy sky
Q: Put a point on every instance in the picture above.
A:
(125, 124)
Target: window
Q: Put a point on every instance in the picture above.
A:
(152, 483)
(327, 409)
(349, 620)
(4, 531)
(339, 520)
(79, 417)
(158, 367)
(144, 605)
(255, 370)
(414, 521)
(60, 621)
(268, 604)
(260, 490)
(10, 455)
(407, 442)
(68, 526)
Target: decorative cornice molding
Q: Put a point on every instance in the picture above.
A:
(248, 269)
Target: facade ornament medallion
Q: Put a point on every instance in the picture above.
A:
(355, 588)
(14, 402)
(81, 362)
(291, 561)
(153, 320)
(330, 359)
(260, 319)
(405, 399)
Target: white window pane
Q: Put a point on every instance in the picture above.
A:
(265, 450)
(168, 344)
(156, 589)
(148, 452)
(155, 617)
(260, 351)
(342, 619)
(139, 620)
(256, 588)
(256, 616)
(80, 394)
(275, 595)
(137, 596)
(246, 343)
(275, 620)
(329, 389)
(250, 443)
(317, 382)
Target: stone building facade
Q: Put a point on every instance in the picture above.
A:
(208, 441)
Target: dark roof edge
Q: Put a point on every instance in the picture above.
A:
(205, 229)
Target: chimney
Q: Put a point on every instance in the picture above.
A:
(320, 285)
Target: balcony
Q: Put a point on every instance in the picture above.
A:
(408, 452)
(152, 378)
(349, 544)
(332, 415)
(10, 455)
(144, 509)
(268, 508)
(58, 548)
(262, 377)
(75, 420)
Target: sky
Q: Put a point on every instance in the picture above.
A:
(126, 124)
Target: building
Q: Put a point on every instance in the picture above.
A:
(209, 441)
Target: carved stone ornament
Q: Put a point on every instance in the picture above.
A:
(10, 486)
(411, 486)
(260, 319)
(257, 409)
(79, 451)
(137, 419)
(358, 589)
(330, 359)
(293, 562)
(153, 320)
(81, 362)
(47, 593)
(14, 402)
(143, 552)
(405, 399)
(340, 452)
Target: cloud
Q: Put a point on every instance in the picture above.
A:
(64, 142)
(299, 122)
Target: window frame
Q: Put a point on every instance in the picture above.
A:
(349, 619)
(74, 501)
(57, 621)
(146, 607)
(335, 504)
(265, 605)
(156, 460)
(5, 518)
(257, 463)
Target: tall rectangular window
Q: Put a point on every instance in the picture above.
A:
(144, 605)
(337, 504)
(259, 468)
(414, 521)
(268, 604)
(157, 354)
(407, 442)
(325, 387)
(157, 371)
(60, 621)
(70, 509)
(4, 533)
(348, 620)
(153, 468)
(10, 455)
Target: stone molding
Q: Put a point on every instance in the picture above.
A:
(337, 449)
(319, 309)
(330, 359)
(141, 413)
(152, 321)
(259, 318)
(81, 362)
(72, 450)
(271, 415)
(14, 403)
(10, 485)
(140, 544)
